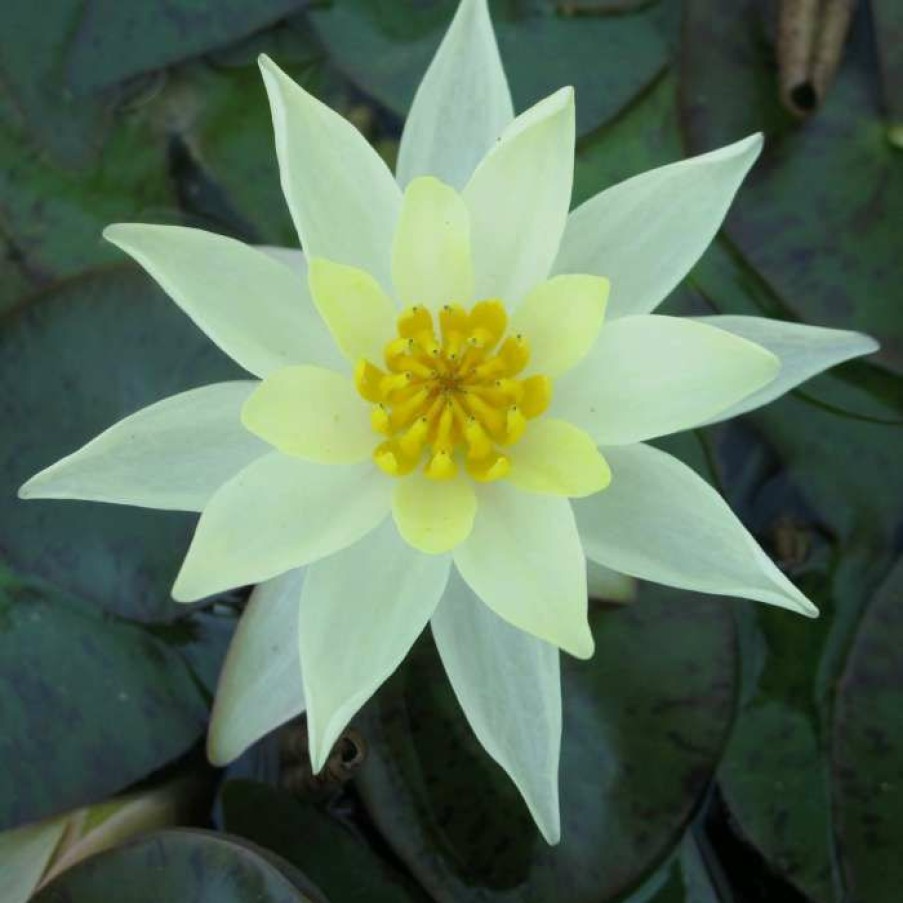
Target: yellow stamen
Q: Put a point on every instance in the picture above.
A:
(450, 396)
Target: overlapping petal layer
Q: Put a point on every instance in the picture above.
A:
(172, 455)
(434, 515)
(645, 234)
(659, 521)
(462, 104)
(509, 686)
(524, 559)
(255, 309)
(342, 197)
(260, 683)
(361, 610)
(648, 376)
(276, 515)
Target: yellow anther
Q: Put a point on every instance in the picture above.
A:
(368, 380)
(379, 420)
(493, 467)
(441, 466)
(479, 445)
(413, 321)
(537, 394)
(446, 403)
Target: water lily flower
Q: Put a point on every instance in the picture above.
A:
(453, 390)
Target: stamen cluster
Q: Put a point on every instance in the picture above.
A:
(452, 395)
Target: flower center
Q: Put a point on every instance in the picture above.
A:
(452, 395)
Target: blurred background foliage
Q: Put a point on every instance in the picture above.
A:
(714, 750)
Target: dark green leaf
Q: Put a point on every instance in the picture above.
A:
(867, 751)
(84, 355)
(117, 40)
(645, 722)
(88, 705)
(341, 863)
(176, 866)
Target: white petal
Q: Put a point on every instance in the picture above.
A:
(256, 310)
(276, 515)
(172, 455)
(361, 611)
(462, 104)
(645, 234)
(523, 558)
(342, 196)
(518, 200)
(659, 521)
(24, 855)
(802, 350)
(260, 684)
(650, 375)
(509, 686)
(288, 257)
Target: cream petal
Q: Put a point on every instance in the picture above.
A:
(561, 319)
(171, 455)
(311, 413)
(342, 196)
(462, 104)
(518, 199)
(648, 376)
(361, 611)
(524, 560)
(434, 516)
(554, 457)
(611, 586)
(659, 521)
(509, 685)
(288, 257)
(431, 263)
(276, 515)
(359, 315)
(646, 233)
(803, 351)
(256, 310)
(260, 684)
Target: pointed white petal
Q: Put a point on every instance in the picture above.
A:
(803, 351)
(256, 310)
(518, 200)
(523, 558)
(260, 684)
(342, 196)
(509, 686)
(659, 521)
(650, 375)
(276, 515)
(172, 455)
(361, 611)
(646, 233)
(431, 262)
(24, 855)
(462, 104)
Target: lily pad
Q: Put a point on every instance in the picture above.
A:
(343, 865)
(182, 865)
(114, 41)
(88, 705)
(867, 751)
(645, 721)
(385, 48)
(85, 354)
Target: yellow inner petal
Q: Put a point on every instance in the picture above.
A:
(450, 393)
